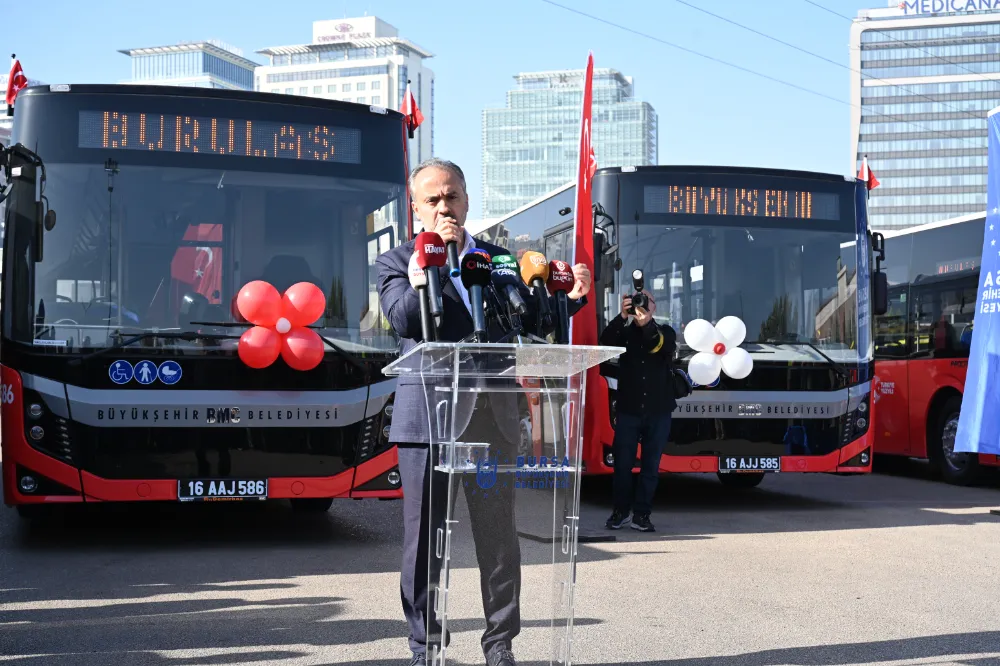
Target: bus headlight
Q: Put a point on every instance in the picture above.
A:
(34, 410)
(27, 484)
(36, 432)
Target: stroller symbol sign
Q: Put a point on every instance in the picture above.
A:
(120, 372)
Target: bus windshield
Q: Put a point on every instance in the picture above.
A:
(141, 249)
(792, 281)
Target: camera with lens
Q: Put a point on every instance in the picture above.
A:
(639, 299)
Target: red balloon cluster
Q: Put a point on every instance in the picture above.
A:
(280, 322)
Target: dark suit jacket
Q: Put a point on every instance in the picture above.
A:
(401, 306)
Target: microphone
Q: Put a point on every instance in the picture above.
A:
(453, 264)
(506, 276)
(534, 271)
(476, 275)
(429, 251)
(418, 280)
(560, 283)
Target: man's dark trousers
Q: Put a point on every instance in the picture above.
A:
(491, 515)
(654, 430)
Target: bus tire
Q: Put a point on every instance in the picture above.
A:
(741, 480)
(311, 504)
(960, 469)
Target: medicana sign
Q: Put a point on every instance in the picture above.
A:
(918, 7)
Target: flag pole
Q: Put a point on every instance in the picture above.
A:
(868, 190)
(406, 100)
(10, 107)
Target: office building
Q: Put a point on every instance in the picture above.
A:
(207, 64)
(359, 60)
(530, 147)
(929, 74)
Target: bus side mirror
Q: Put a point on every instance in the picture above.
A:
(598, 255)
(880, 293)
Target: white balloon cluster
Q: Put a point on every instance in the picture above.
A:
(718, 350)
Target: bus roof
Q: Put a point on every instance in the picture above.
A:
(196, 93)
(477, 226)
(934, 225)
(722, 169)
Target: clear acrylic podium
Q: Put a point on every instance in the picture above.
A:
(506, 427)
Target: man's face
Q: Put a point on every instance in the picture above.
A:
(437, 193)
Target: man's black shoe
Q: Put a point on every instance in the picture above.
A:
(641, 523)
(618, 520)
(501, 657)
(418, 659)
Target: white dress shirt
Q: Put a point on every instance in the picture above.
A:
(470, 244)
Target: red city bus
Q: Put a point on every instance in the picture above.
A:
(775, 248)
(922, 344)
(135, 215)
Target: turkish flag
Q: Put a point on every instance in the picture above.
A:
(199, 268)
(410, 109)
(866, 175)
(583, 325)
(16, 82)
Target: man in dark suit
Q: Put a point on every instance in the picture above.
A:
(440, 201)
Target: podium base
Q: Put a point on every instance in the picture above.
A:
(583, 536)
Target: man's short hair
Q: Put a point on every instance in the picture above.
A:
(440, 164)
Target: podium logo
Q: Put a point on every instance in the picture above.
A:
(486, 472)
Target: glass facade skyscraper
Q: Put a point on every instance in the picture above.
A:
(927, 80)
(530, 147)
(208, 64)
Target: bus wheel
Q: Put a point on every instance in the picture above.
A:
(741, 480)
(312, 504)
(960, 469)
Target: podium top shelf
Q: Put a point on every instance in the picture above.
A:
(447, 359)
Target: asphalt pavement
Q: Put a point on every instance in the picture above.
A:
(810, 570)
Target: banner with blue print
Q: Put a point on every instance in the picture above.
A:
(979, 422)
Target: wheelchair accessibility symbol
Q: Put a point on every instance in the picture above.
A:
(120, 372)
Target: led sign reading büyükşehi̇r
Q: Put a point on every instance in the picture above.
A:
(208, 135)
(740, 201)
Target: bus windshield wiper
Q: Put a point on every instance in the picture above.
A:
(837, 367)
(344, 353)
(145, 335)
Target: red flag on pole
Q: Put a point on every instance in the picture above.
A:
(16, 82)
(867, 175)
(410, 109)
(583, 326)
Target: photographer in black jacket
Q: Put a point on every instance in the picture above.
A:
(644, 403)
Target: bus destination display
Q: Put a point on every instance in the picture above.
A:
(740, 201)
(219, 136)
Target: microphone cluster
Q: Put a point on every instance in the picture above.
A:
(501, 277)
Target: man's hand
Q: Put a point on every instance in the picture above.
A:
(643, 316)
(447, 228)
(626, 304)
(581, 285)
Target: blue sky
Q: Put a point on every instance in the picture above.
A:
(708, 113)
